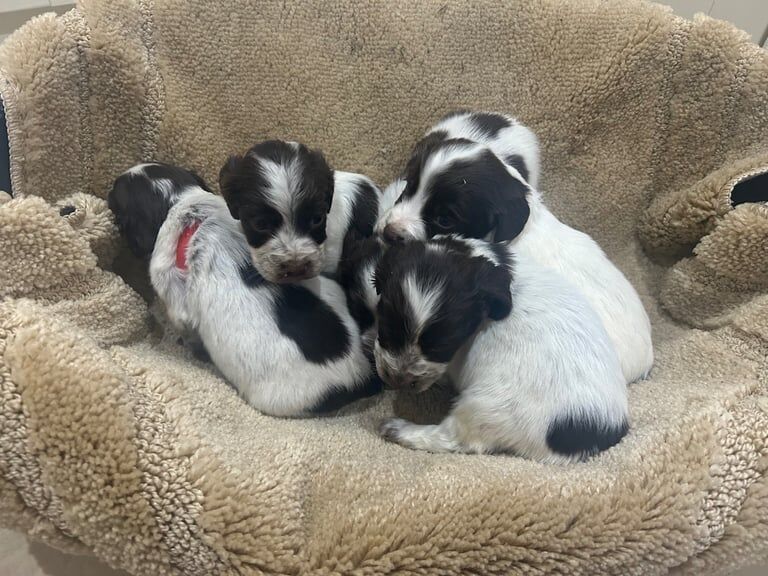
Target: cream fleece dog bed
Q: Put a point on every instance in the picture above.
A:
(114, 442)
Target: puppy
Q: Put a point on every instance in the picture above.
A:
(533, 365)
(459, 186)
(514, 143)
(295, 210)
(290, 350)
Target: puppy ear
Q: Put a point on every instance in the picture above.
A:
(320, 175)
(228, 184)
(388, 259)
(513, 209)
(494, 286)
(200, 182)
(139, 213)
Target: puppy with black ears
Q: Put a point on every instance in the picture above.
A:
(460, 185)
(289, 349)
(535, 370)
(295, 210)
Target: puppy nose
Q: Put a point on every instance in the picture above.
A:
(399, 381)
(393, 235)
(296, 269)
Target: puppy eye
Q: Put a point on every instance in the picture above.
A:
(444, 222)
(317, 220)
(261, 222)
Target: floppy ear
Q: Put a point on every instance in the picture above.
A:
(513, 209)
(386, 266)
(494, 287)
(320, 175)
(139, 214)
(227, 184)
(200, 181)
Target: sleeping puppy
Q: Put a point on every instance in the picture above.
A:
(290, 350)
(295, 210)
(534, 368)
(457, 186)
(514, 143)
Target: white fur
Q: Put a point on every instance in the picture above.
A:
(554, 244)
(290, 246)
(423, 300)
(287, 246)
(345, 193)
(516, 139)
(550, 357)
(236, 322)
(580, 259)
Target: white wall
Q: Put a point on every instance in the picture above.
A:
(749, 15)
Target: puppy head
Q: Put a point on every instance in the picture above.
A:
(141, 198)
(433, 298)
(455, 186)
(281, 192)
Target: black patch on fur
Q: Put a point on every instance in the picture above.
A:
(489, 124)
(339, 397)
(474, 196)
(517, 162)
(572, 436)
(66, 210)
(140, 208)
(473, 289)
(422, 151)
(357, 253)
(365, 208)
(311, 323)
(250, 276)
(244, 187)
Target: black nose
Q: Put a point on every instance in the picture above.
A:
(392, 235)
(398, 381)
(298, 269)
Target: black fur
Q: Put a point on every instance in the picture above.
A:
(471, 196)
(423, 149)
(358, 252)
(365, 209)
(573, 436)
(251, 276)
(473, 289)
(517, 162)
(311, 323)
(244, 187)
(489, 124)
(140, 207)
(338, 398)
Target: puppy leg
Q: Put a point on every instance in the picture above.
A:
(441, 437)
(471, 427)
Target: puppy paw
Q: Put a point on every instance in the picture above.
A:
(391, 430)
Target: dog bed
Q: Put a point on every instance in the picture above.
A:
(116, 442)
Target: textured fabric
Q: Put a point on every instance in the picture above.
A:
(116, 441)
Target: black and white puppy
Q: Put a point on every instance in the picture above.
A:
(461, 186)
(295, 210)
(513, 142)
(289, 349)
(535, 370)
